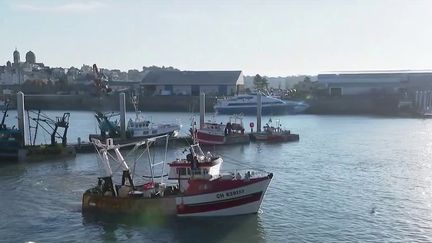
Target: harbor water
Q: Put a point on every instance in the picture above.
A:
(348, 179)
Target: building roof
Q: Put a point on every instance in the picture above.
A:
(386, 77)
(193, 78)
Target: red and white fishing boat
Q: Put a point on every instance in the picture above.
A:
(195, 186)
(213, 133)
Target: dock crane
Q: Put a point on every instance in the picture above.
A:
(100, 81)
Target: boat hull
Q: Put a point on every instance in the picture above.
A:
(147, 206)
(266, 110)
(282, 137)
(210, 139)
(237, 200)
(216, 139)
(232, 197)
(139, 134)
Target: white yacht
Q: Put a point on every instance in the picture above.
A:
(247, 104)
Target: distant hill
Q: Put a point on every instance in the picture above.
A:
(279, 82)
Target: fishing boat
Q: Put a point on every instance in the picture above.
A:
(143, 128)
(195, 186)
(275, 133)
(247, 104)
(10, 139)
(213, 133)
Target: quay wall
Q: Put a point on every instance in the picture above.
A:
(380, 105)
(107, 103)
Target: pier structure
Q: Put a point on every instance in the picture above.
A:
(202, 109)
(416, 99)
(122, 98)
(22, 120)
(273, 134)
(423, 100)
(32, 152)
(259, 110)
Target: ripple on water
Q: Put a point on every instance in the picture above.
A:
(349, 179)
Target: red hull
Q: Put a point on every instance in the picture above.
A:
(218, 205)
(210, 139)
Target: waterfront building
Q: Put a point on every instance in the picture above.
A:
(167, 82)
(16, 57)
(372, 83)
(18, 72)
(30, 57)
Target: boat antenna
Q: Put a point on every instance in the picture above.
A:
(135, 104)
(193, 131)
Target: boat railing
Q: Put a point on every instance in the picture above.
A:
(249, 174)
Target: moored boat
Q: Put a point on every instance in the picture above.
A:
(247, 104)
(143, 128)
(213, 133)
(275, 133)
(10, 139)
(195, 186)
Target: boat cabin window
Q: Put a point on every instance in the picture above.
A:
(184, 171)
(181, 171)
(200, 172)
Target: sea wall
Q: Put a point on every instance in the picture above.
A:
(378, 105)
(111, 102)
(375, 105)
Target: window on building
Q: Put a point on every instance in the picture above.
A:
(336, 92)
(222, 90)
(195, 90)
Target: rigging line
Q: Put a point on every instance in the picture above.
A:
(259, 169)
(166, 152)
(237, 162)
(159, 176)
(30, 133)
(99, 159)
(137, 159)
(186, 135)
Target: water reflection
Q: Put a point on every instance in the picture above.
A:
(245, 228)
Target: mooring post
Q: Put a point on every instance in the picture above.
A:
(202, 109)
(420, 100)
(428, 100)
(22, 126)
(123, 115)
(259, 109)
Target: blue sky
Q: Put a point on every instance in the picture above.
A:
(266, 37)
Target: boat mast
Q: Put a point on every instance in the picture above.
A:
(166, 151)
(135, 105)
(4, 115)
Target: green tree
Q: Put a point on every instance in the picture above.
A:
(63, 83)
(260, 83)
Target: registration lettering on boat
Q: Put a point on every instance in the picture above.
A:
(230, 193)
